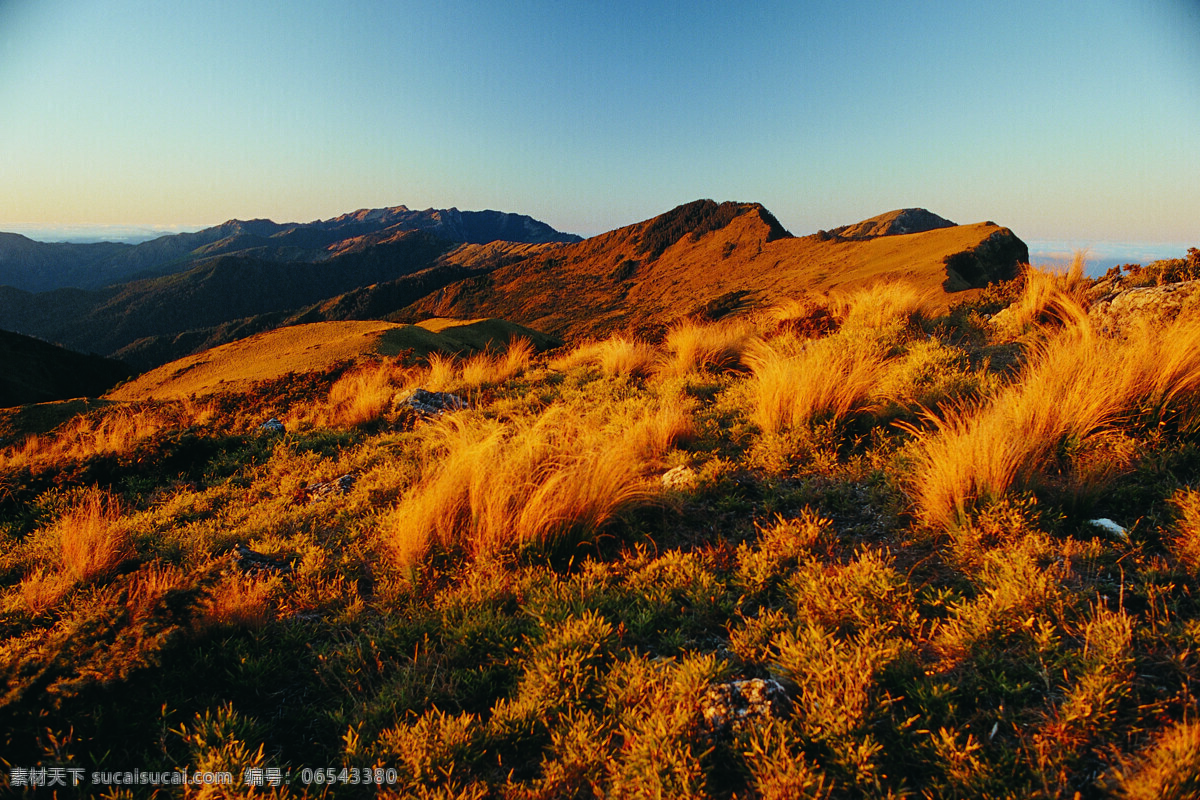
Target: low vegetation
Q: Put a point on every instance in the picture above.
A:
(958, 552)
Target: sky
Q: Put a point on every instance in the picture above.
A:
(1074, 122)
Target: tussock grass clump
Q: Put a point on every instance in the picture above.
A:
(1078, 388)
(1168, 769)
(240, 601)
(1049, 298)
(91, 537)
(112, 431)
(487, 369)
(1184, 542)
(42, 590)
(446, 373)
(531, 482)
(883, 309)
(809, 315)
(365, 395)
(827, 380)
(617, 356)
(697, 346)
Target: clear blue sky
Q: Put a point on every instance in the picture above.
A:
(1061, 119)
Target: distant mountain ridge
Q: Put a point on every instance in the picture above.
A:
(38, 266)
(709, 259)
(701, 258)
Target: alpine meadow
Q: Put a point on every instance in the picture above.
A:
(693, 508)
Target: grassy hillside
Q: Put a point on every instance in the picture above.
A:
(316, 347)
(845, 550)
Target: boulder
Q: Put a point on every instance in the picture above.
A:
(1154, 305)
(432, 404)
(681, 478)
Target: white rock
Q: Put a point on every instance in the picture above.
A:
(1111, 528)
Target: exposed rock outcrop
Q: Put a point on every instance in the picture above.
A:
(432, 404)
(1118, 310)
(996, 258)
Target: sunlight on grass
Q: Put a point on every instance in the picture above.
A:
(531, 482)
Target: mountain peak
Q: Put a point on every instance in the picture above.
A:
(894, 223)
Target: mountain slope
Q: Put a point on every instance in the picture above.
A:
(37, 372)
(643, 277)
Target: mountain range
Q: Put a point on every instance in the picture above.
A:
(151, 303)
(39, 266)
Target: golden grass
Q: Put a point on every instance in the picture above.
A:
(111, 431)
(1169, 769)
(487, 369)
(446, 373)
(494, 487)
(695, 346)
(1078, 390)
(826, 380)
(149, 585)
(1184, 543)
(240, 601)
(441, 371)
(91, 539)
(617, 356)
(1049, 297)
(808, 315)
(882, 307)
(366, 394)
(42, 589)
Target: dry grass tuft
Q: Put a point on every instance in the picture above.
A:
(807, 316)
(617, 356)
(92, 541)
(149, 585)
(441, 372)
(43, 589)
(365, 395)
(694, 346)
(825, 380)
(1076, 391)
(1185, 543)
(1169, 769)
(240, 601)
(883, 308)
(1050, 298)
(487, 369)
(495, 487)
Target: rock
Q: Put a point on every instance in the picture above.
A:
(738, 704)
(272, 426)
(432, 404)
(682, 477)
(251, 561)
(1116, 313)
(322, 491)
(1111, 528)
(996, 258)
